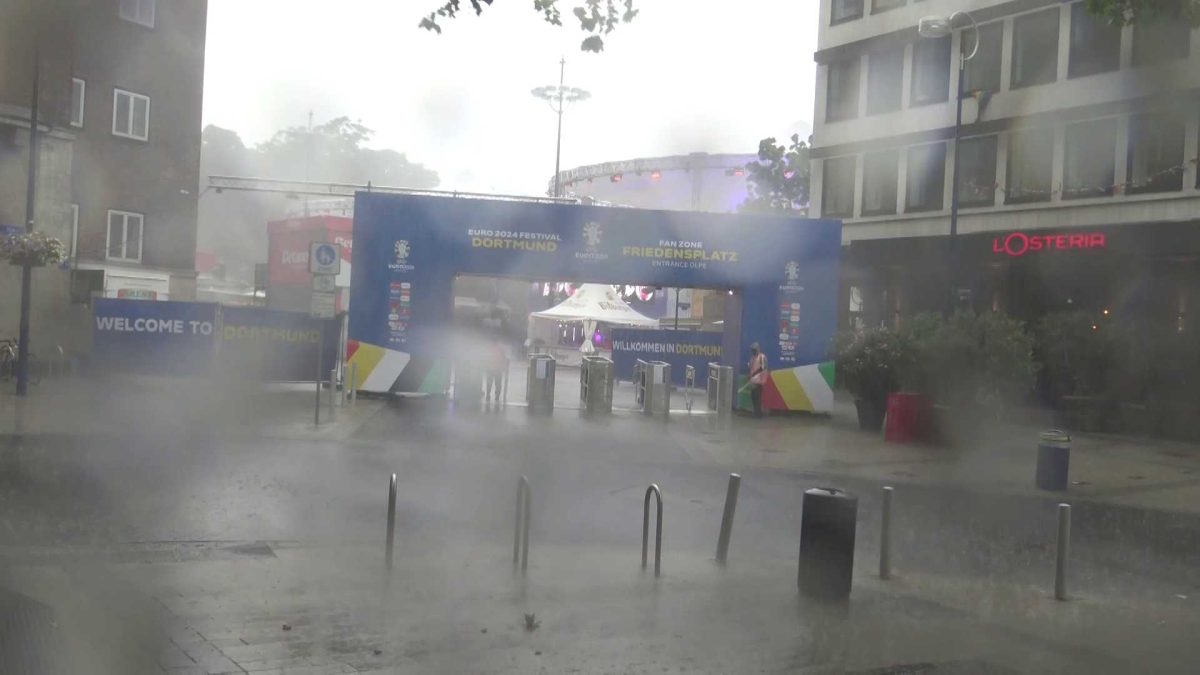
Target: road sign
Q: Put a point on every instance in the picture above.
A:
(324, 258)
(324, 283)
(324, 305)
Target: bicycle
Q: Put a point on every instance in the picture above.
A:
(9, 353)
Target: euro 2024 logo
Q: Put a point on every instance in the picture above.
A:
(402, 250)
(592, 234)
(791, 272)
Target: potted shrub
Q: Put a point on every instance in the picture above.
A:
(868, 365)
(36, 249)
(1077, 354)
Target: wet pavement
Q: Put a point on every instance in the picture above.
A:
(224, 548)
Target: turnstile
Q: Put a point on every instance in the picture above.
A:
(596, 384)
(539, 387)
(720, 389)
(654, 387)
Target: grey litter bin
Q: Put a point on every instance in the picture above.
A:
(1053, 460)
(827, 527)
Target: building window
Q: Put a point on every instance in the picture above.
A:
(1030, 165)
(983, 70)
(1155, 159)
(73, 251)
(1089, 168)
(926, 178)
(1035, 48)
(884, 72)
(124, 236)
(138, 11)
(977, 171)
(78, 88)
(846, 10)
(878, 6)
(1160, 40)
(880, 182)
(841, 101)
(837, 187)
(131, 115)
(931, 71)
(1095, 43)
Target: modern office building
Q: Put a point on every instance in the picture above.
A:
(1077, 176)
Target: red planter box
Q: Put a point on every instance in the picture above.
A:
(908, 418)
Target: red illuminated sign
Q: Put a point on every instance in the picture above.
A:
(1017, 244)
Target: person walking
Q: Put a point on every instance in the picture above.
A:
(497, 367)
(758, 377)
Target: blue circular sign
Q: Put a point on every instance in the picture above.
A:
(326, 255)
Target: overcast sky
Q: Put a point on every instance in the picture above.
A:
(685, 76)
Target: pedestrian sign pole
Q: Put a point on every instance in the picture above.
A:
(325, 263)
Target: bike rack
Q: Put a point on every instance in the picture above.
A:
(521, 534)
(653, 489)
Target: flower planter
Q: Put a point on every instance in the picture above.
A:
(870, 414)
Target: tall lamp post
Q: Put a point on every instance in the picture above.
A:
(30, 204)
(939, 27)
(559, 97)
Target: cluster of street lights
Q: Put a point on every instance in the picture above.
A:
(559, 97)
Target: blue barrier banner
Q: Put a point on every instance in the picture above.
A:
(676, 347)
(275, 346)
(162, 338)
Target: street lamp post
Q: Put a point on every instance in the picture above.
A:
(559, 97)
(938, 27)
(30, 205)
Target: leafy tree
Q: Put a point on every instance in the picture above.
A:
(233, 224)
(778, 179)
(1134, 11)
(597, 17)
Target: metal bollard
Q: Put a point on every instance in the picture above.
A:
(657, 529)
(1064, 549)
(391, 521)
(885, 536)
(521, 535)
(731, 497)
(353, 382)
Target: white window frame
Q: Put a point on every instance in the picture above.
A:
(109, 253)
(138, 11)
(77, 111)
(133, 97)
(74, 251)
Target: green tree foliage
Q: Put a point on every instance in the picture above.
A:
(234, 224)
(777, 182)
(1133, 11)
(596, 17)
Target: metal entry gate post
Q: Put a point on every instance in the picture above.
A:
(658, 524)
(689, 383)
(657, 398)
(731, 497)
(521, 534)
(540, 383)
(596, 384)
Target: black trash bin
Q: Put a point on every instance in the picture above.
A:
(827, 528)
(1054, 460)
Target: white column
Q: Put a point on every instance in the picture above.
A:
(1191, 140)
(858, 185)
(1057, 167)
(864, 75)
(1001, 167)
(1006, 55)
(902, 178)
(1120, 165)
(906, 77)
(1064, 40)
(1126, 47)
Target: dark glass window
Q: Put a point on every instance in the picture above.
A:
(1155, 159)
(878, 6)
(931, 71)
(884, 72)
(880, 179)
(1030, 165)
(1160, 40)
(925, 178)
(1090, 163)
(977, 171)
(983, 70)
(841, 100)
(1095, 43)
(837, 187)
(846, 10)
(1035, 48)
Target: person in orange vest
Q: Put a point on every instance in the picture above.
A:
(758, 377)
